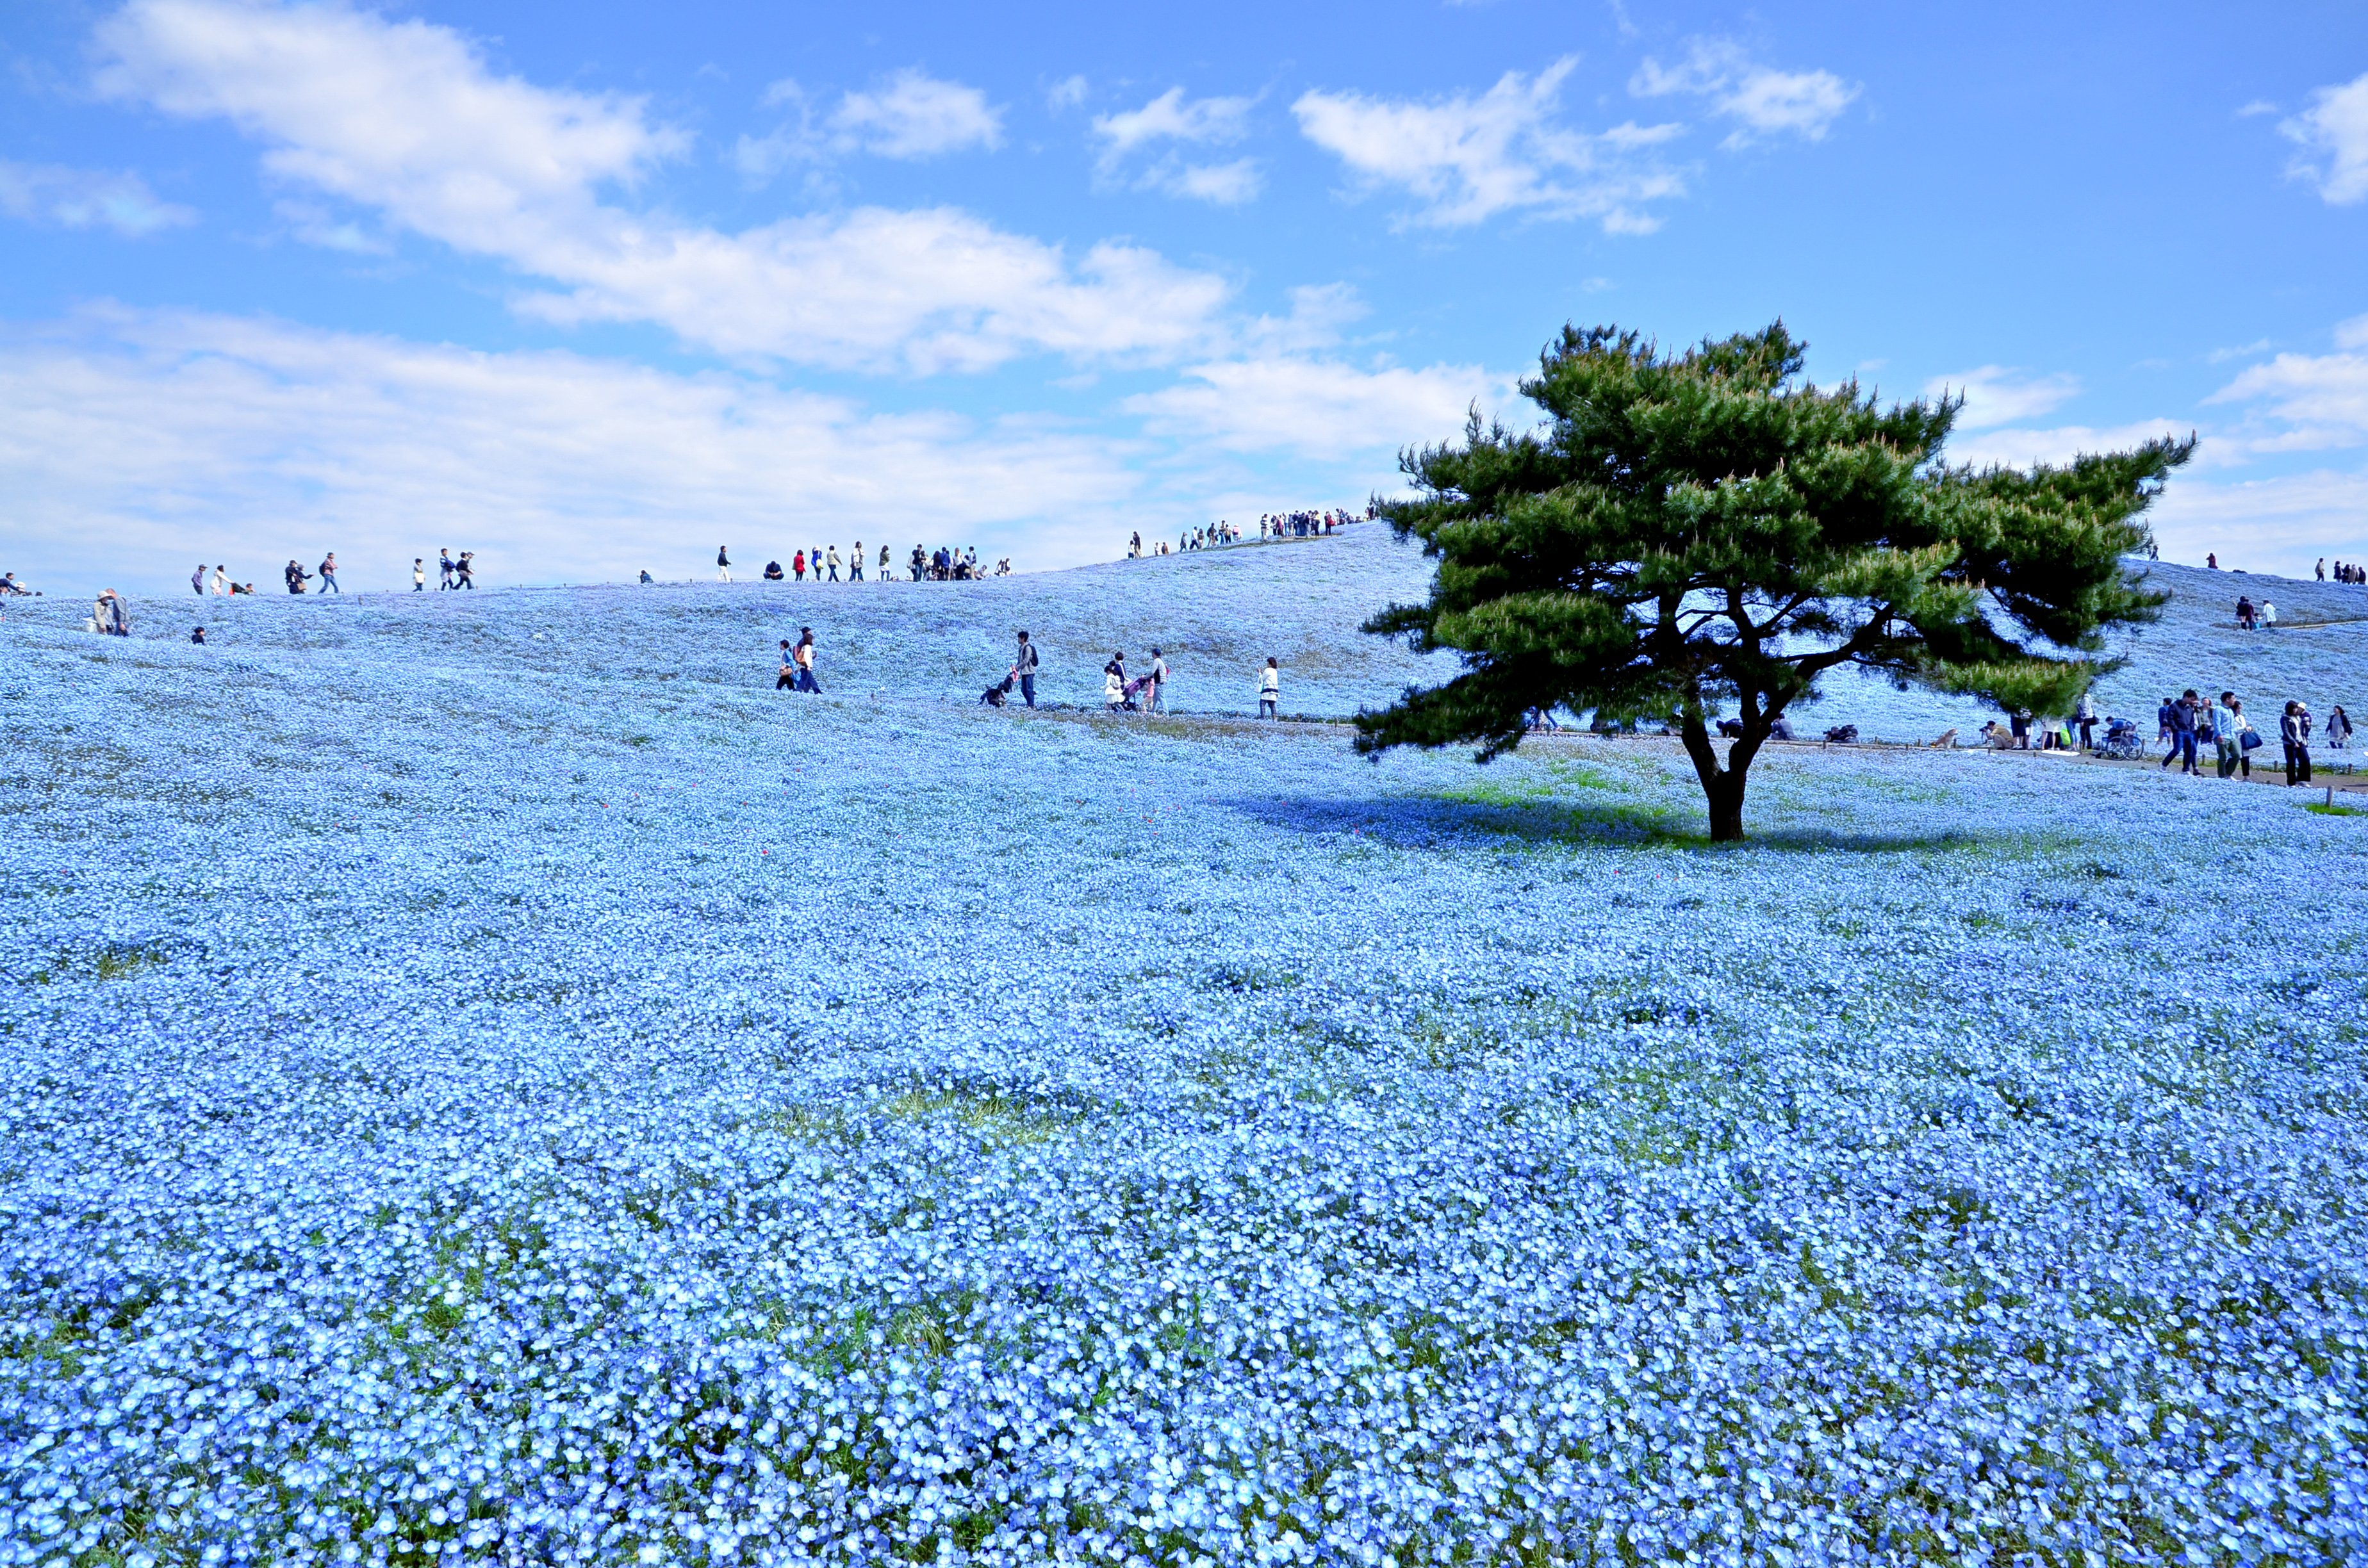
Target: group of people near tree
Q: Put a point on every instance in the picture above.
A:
(2184, 723)
(823, 564)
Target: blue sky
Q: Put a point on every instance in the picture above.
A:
(595, 288)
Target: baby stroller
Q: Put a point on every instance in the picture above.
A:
(2121, 742)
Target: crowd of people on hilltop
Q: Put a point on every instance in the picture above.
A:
(2353, 573)
(1308, 524)
(823, 564)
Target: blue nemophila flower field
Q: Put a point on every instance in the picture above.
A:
(495, 1081)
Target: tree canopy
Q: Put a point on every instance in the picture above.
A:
(1692, 532)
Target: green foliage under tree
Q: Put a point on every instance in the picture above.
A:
(1700, 531)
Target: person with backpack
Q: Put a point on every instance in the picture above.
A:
(464, 571)
(444, 569)
(1024, 667)
(804, 655)
(1269, 690)
(329, 574)
(2297, 739)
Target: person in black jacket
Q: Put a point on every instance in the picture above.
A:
(2297, 739)
(2182, 732)
(297, 578)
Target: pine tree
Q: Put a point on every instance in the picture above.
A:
(1704, 531)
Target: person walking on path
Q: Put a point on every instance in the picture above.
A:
(723, 565)
(444, 570)
(1158, 685)
(798, 566)
(222, 582)
(2247, 738)
(2322, 568)
(2162, 731)
(834, 563)
(418, 574)
(2339, 728)
(788, 678)
(197, 580)
(329, 574)
(2224, 734)
(2182, 732)
(297, 578)
(2268, 616)
(1269, 690)
(802, 656)
(855, 562)
(464, 571)
(2297, 745)
(1024, 665)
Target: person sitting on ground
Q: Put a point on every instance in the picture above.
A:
(1781, 730)
(110, 616)
(772, 571)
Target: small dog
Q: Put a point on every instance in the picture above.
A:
(994, 696)
(1948, 738)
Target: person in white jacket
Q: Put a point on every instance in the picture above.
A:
(1269, 690)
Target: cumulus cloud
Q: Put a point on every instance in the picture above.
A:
(1467, 159)
(86, 199)
(1172, 118)
(2284, 522)
(1758, 99)
(1316, 406)
(2333, 135)
(2307, 402)
(1994, 395)
(406, 119)
(155, 437)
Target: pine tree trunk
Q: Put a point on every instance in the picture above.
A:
(1725, 794)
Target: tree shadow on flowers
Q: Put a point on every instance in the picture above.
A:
(1458, 820)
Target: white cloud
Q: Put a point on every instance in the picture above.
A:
(2021, 447)
(2333, 134)
(1170, 117)
(914, 115)
(1317, 407)
(406, 118)
(1759, 99)
(86, 199)
(1996, 394)
(1469, 158)
(161, 438)
(2307, 402)
(1065, 93)
(2281, 524)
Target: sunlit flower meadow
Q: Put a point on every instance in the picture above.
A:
(497, 1082)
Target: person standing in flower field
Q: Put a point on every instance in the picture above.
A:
(1269, 690)
(197, 580)
(418, 574)
(2296, 735)
(1023, 665)
(788, 677)
(723, 565)
(886, 570)
(297, 578)
(834, 563)
(855, 563)
(1158, 684)
(804, 655)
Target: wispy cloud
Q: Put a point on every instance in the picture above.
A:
(1758, 99)
(1317, 406)
(2333, 135)
(1467, 158)
(405, 119)
(1996, 395)
(86, 199)
(1171, 118)
(908, 115)
(2305, 402)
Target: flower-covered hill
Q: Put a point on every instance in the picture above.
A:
(1217, 615)
(466, 1099)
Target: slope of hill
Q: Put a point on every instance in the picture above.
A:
(1216, 614)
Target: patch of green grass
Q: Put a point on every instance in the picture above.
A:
(990, 1115)
(2322, 808)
